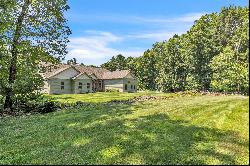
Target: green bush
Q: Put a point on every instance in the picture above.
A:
(47, 106)
(39, 105)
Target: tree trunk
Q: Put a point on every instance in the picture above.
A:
(14, 53)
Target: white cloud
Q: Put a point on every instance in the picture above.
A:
(155, 36)
(185, 18)
(191, 17)
(95, 48)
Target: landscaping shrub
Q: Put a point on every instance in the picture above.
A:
(47, 106)
(34, 106)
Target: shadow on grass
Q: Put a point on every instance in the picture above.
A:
(112, 138)
(113, 134)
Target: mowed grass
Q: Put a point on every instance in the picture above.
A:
(101, 96)
(179, 130)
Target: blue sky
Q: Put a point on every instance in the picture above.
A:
(104, 28)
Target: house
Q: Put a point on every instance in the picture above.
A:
(74, 79)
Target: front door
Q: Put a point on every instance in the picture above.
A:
(97, 85)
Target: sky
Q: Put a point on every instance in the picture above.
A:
(105, 28)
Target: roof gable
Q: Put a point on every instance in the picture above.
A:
(67, 73)
(98, 72)
(129, 75)
(81, 76)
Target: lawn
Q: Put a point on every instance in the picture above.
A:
(178, 130)
(102, 97)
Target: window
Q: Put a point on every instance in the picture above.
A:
(42, 69)
(134, 86)
(129, 82)
(126, 87)
(80, 85)
(88, 85)
(62, 85)
(131, 86)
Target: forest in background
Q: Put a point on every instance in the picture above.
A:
(212, 56)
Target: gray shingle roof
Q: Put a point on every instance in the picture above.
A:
(115, 74)
(100, 73)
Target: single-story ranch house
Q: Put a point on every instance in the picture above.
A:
(70, 79)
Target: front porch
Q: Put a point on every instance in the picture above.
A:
(97, 85)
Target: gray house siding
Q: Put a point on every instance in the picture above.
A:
(84, 89)
(120, 84)
(131, 85)
(114, 84)
(56, 86)
(72, 81)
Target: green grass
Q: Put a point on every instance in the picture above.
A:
(179, 130)
(101, 97)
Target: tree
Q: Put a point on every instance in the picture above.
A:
(228, 21)
(34, 29)
(72, 61)
(202, 47)
(146, 72)
(130, 64)
(174, 64)
(116, 63)
(231, 67)
(230, 72)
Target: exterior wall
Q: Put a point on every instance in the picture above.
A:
(84, 80)
(54, 83)
(119, 84)
(114, 84)
(55, 86)
(130, 82)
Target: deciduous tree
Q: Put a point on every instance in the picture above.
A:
(34, 30)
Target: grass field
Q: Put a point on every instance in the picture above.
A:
(178, 130)
(101, 97)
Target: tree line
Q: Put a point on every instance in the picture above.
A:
(212, 56)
